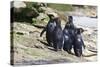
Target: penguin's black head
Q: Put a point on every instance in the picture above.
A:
(70, 18)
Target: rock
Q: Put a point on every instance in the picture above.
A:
(20, 33)
(48, 10)
(54, 14)
(41, 16)
(91, 13)
(39, 46)
(19, 4)
(42, 4)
